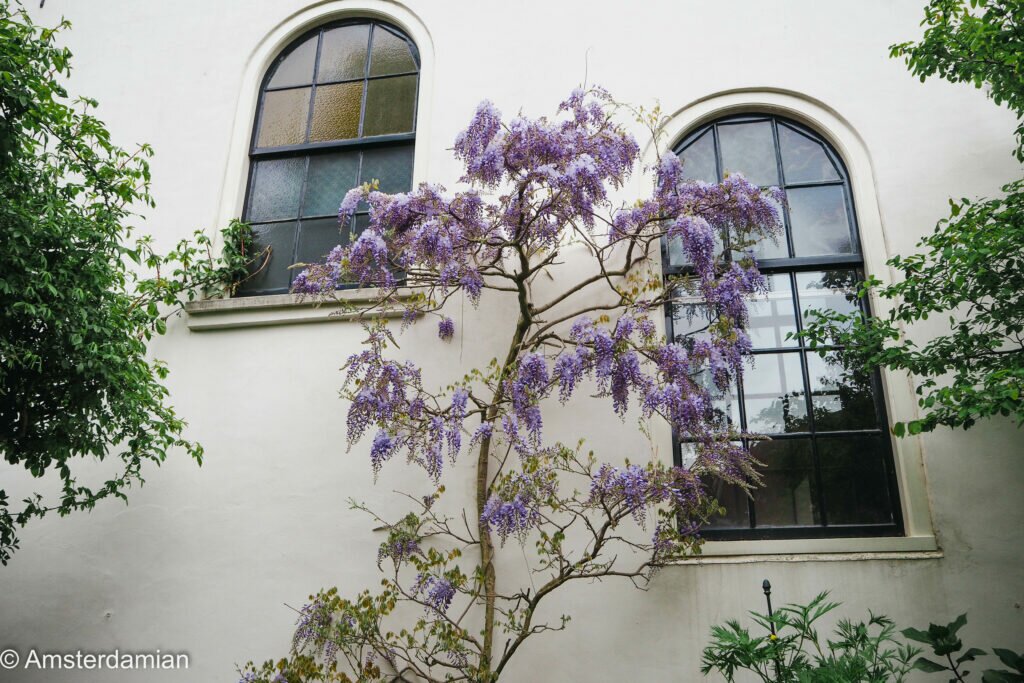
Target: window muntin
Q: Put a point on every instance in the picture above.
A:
(337, 109)
(828, 461)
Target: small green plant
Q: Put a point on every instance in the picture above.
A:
(945, 644)
(793, 651)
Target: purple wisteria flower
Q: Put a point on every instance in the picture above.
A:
(446, 329)
(437, 592)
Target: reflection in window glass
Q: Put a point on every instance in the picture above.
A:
(818, 221)
(774, 396)
(855, 481)
(834, 290)
(690, 322)
(749, 148)
(841, 393)
(804, 160)
(699, 159)
(789, 491)
(772, 317)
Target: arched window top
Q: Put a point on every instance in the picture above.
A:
(344, 81)
(775, 151)
(337, 109)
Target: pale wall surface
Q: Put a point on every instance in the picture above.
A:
(204, 560)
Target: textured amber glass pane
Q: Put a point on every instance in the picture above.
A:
(819, 222)
(774, 396)
(296, 68)
(343, 55)
(390, 105)
(274, 276)
(804, 160)
(854, 480)
(276, 185)
(391, 54)
(699, 159)
(283, 120)
(392, 166)
(336, 112)
(789, 491)
(330, 177)
(317, 237)
(748, 148)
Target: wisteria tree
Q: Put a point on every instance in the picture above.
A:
(535, 193)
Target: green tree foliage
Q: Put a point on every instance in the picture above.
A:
(970, 270)
(75, 318)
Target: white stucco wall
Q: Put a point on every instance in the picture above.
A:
(204, 560)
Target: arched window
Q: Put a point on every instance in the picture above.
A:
(337, 108)
(828, 464)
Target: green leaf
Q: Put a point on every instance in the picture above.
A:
(928, 666)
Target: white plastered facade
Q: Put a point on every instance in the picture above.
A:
(204, 560)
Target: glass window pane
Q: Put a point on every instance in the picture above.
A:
(392, 166)
(317, 237)
(804, 160)
(677, 256)
(390, 105)
(274, 276)
(276, 186)
(724, 402)
(817, 216)
(772, 317)
(734, 500)
(283, 119)
(773, 394)
(854, 480)
(330, 177)
(827, 290)
(343, 55)
(789, 491)
(841, 393)
(690, 322)
(749, 148)
(699, 159)
(773, 247)
(391, 54)
(296, 68)
(336, 112)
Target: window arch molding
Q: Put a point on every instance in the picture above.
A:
(900, 402)
(278, 39)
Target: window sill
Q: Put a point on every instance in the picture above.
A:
(274, 309)
(817, 550)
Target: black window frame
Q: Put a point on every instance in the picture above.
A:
(791, 266)
(308, 150)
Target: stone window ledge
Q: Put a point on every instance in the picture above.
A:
(817, 550)
(274, 309)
